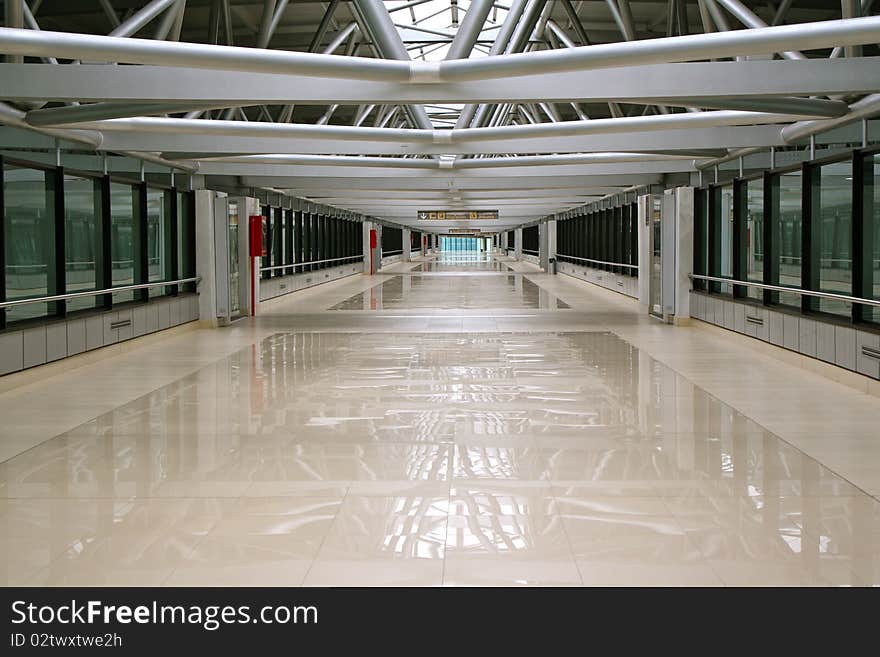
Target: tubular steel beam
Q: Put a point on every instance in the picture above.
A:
(469, 31)
(768, 79)
(749, 19)
(824, 34)
(712, 139)
(141, 18)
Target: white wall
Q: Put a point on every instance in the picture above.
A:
(271, 288)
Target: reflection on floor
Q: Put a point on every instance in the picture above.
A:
(458, 263)
(438, 291)
(483, 455)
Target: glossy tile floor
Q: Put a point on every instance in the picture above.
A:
(423, 445)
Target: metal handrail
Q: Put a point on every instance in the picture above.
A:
(312, 262)
(784, 288)
(96, 293)
(598, 262)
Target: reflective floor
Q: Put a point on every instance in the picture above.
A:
(519, 446)
(454, 292)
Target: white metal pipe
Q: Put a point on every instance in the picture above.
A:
(388, 40)
(420, 163)
(110, 12)
(824, 34)
(91, 47)
(469, 30)
(438, 137)
(340, 38)
(31, 22)
(625, 26)
(169, 20)
(263, 36)
(141, 18)
(865, 108)
(15, 117)
(749, 19)
(469, 112)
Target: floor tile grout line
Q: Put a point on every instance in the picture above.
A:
(324, 538)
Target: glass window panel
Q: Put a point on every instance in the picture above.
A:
(835, 235)
(122, 238)
(755, 236)
(158, 261)
(29, 220)
(788, 235)
(82, 217)
(232, 226)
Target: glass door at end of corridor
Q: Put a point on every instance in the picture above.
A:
(234, 260)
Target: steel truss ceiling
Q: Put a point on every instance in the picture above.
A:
(531, 107)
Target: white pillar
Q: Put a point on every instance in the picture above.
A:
(547, 243)
(206, 258)
(249, 269)
(517, 243)
(369, 263)
(407, 247)
(684, 252)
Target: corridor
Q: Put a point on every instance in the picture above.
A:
(447, 421)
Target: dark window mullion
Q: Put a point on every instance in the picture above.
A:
(810, 237)
(172, 240)
(291, 254)
(714, 237)
(57, 280)
(298, 240)
(862, 247)
(139, 235)
(772, 210)
(739, 235)
(104, 245)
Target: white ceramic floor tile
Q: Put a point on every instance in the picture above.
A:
(446, 422)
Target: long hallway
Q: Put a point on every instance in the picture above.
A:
(447, 421)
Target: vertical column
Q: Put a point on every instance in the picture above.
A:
(289, 242)
(368, 250)
(206, 257)
(57, 271)
(517, 243)
(406, 236)
(250, 267)
(740, 237)
(771, 233)
(139, 240)
(169, 245)
(667, 254)
(684, 250)
(299, 242)
(543, 253)
(810, 240)
(104, 252)
(862, 234)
